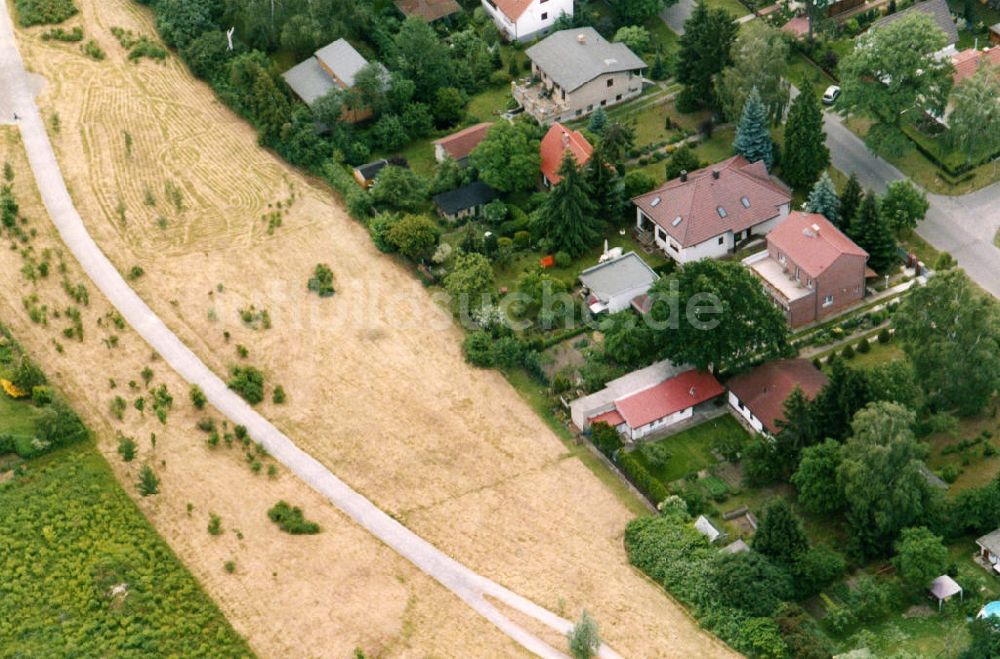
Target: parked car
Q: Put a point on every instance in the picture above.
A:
(831, 95)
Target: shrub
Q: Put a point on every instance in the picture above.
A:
(198, 397)
(126, 448)
(884, 336)
(864, 347)
(230, 566)
(950, 473)
(291, 520)
(42, 12)
(92, 50)
(149, 484)
(563, 260)
(214, 524)
(28, 375)
(135, 272)
(322, 281)
(847, 352)
(278, 396)
(605, 438)
(41, 395)
(206, 425)
(641, 478)
(248, 382)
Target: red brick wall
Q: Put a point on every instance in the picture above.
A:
(845, 281)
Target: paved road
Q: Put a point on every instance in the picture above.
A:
(16, 96)
(964, 226)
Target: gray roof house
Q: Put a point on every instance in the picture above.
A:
(465, 201)
(939, 11)
(332, 67)
(576, 71)
(705, 527)
(613, 285)
(989, 550)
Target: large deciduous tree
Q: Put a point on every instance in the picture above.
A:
(568, 217)
(893, 70)
(753, 140)
(903, 205)
(704, 53)
(881, 476)
(951, 333)
(974, 125)
(423, 58)
(920, 557)
(805, 155)
(816, 478)
(637, 12)
(508, 158)
(399, 188)
(470, 281)
(760, 56)
(715, 314)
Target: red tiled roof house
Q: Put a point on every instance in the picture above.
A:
(555, 144)
(708, 213)
(643, 411)
(758, 397)
(459, 145)
(810, 269)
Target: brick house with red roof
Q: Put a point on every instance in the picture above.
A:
(710, 212)
(968, 61)
(758, 397)
(459, 145)
(523, 20)
(637, 414)
(555, 144)
(811, 269)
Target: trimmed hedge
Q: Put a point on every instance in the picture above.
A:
(642, 479)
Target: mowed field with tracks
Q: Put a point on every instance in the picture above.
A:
(169, 180)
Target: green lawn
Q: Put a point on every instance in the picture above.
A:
(527, 261)
(17, 417)
(489, 104)
(880, 353)
(691, 450)
(70, 534)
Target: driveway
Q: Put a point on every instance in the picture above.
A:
(17, 89)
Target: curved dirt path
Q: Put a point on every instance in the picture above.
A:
(17, 99)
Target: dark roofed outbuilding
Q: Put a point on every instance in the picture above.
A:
(937, 9)
(464, 201)
(429, 10)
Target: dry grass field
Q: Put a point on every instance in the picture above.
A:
(377, 388)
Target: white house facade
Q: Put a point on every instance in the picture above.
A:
(739, 408)
(523, 20)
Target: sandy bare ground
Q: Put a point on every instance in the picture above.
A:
(318, 595)
(377, 387)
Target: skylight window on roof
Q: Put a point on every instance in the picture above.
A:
(677, 221)
(745, 201)
(721, 211)
(656, 202)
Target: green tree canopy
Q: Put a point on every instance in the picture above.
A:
(870, 231)
(974, 125)
(635, 37)
(568, 216)
(850, 201)
(470, 281)
(423, 58)
(760, 57)
(816, 478)
(903, 205)
(920, 557)
(780, 534)
(637, 12)
(683, 159)
(399, 188)
(750, 582)
(823, 199)
(806, 155)
(893, 70)
(584, 640)
(881, 476)
(715, 313)
(753, 140)
(415, 236)
(950, 332)
(508, 158)
(705, 50)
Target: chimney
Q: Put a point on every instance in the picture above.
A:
(565, 140)
(715, 174)
(691, 392)
(684, 175)
(815, 228)
(581, 38)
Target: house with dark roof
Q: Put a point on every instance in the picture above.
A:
(557, 142)
(574, 72)
(939, 11)
(331, 67)
(523, 20)
(710, 212)
(612, 286)
(365, 174)
(989, 550)
(429, 10)
(811, 269)
(459, 145)
(758, 396)
(642, 412)
(463, 202)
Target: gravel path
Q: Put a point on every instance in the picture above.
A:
(17, 89)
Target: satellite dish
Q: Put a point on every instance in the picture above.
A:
(229, 36)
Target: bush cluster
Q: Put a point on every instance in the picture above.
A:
(291, 520)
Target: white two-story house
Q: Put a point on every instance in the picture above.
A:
(710, 212)
(523, 20)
